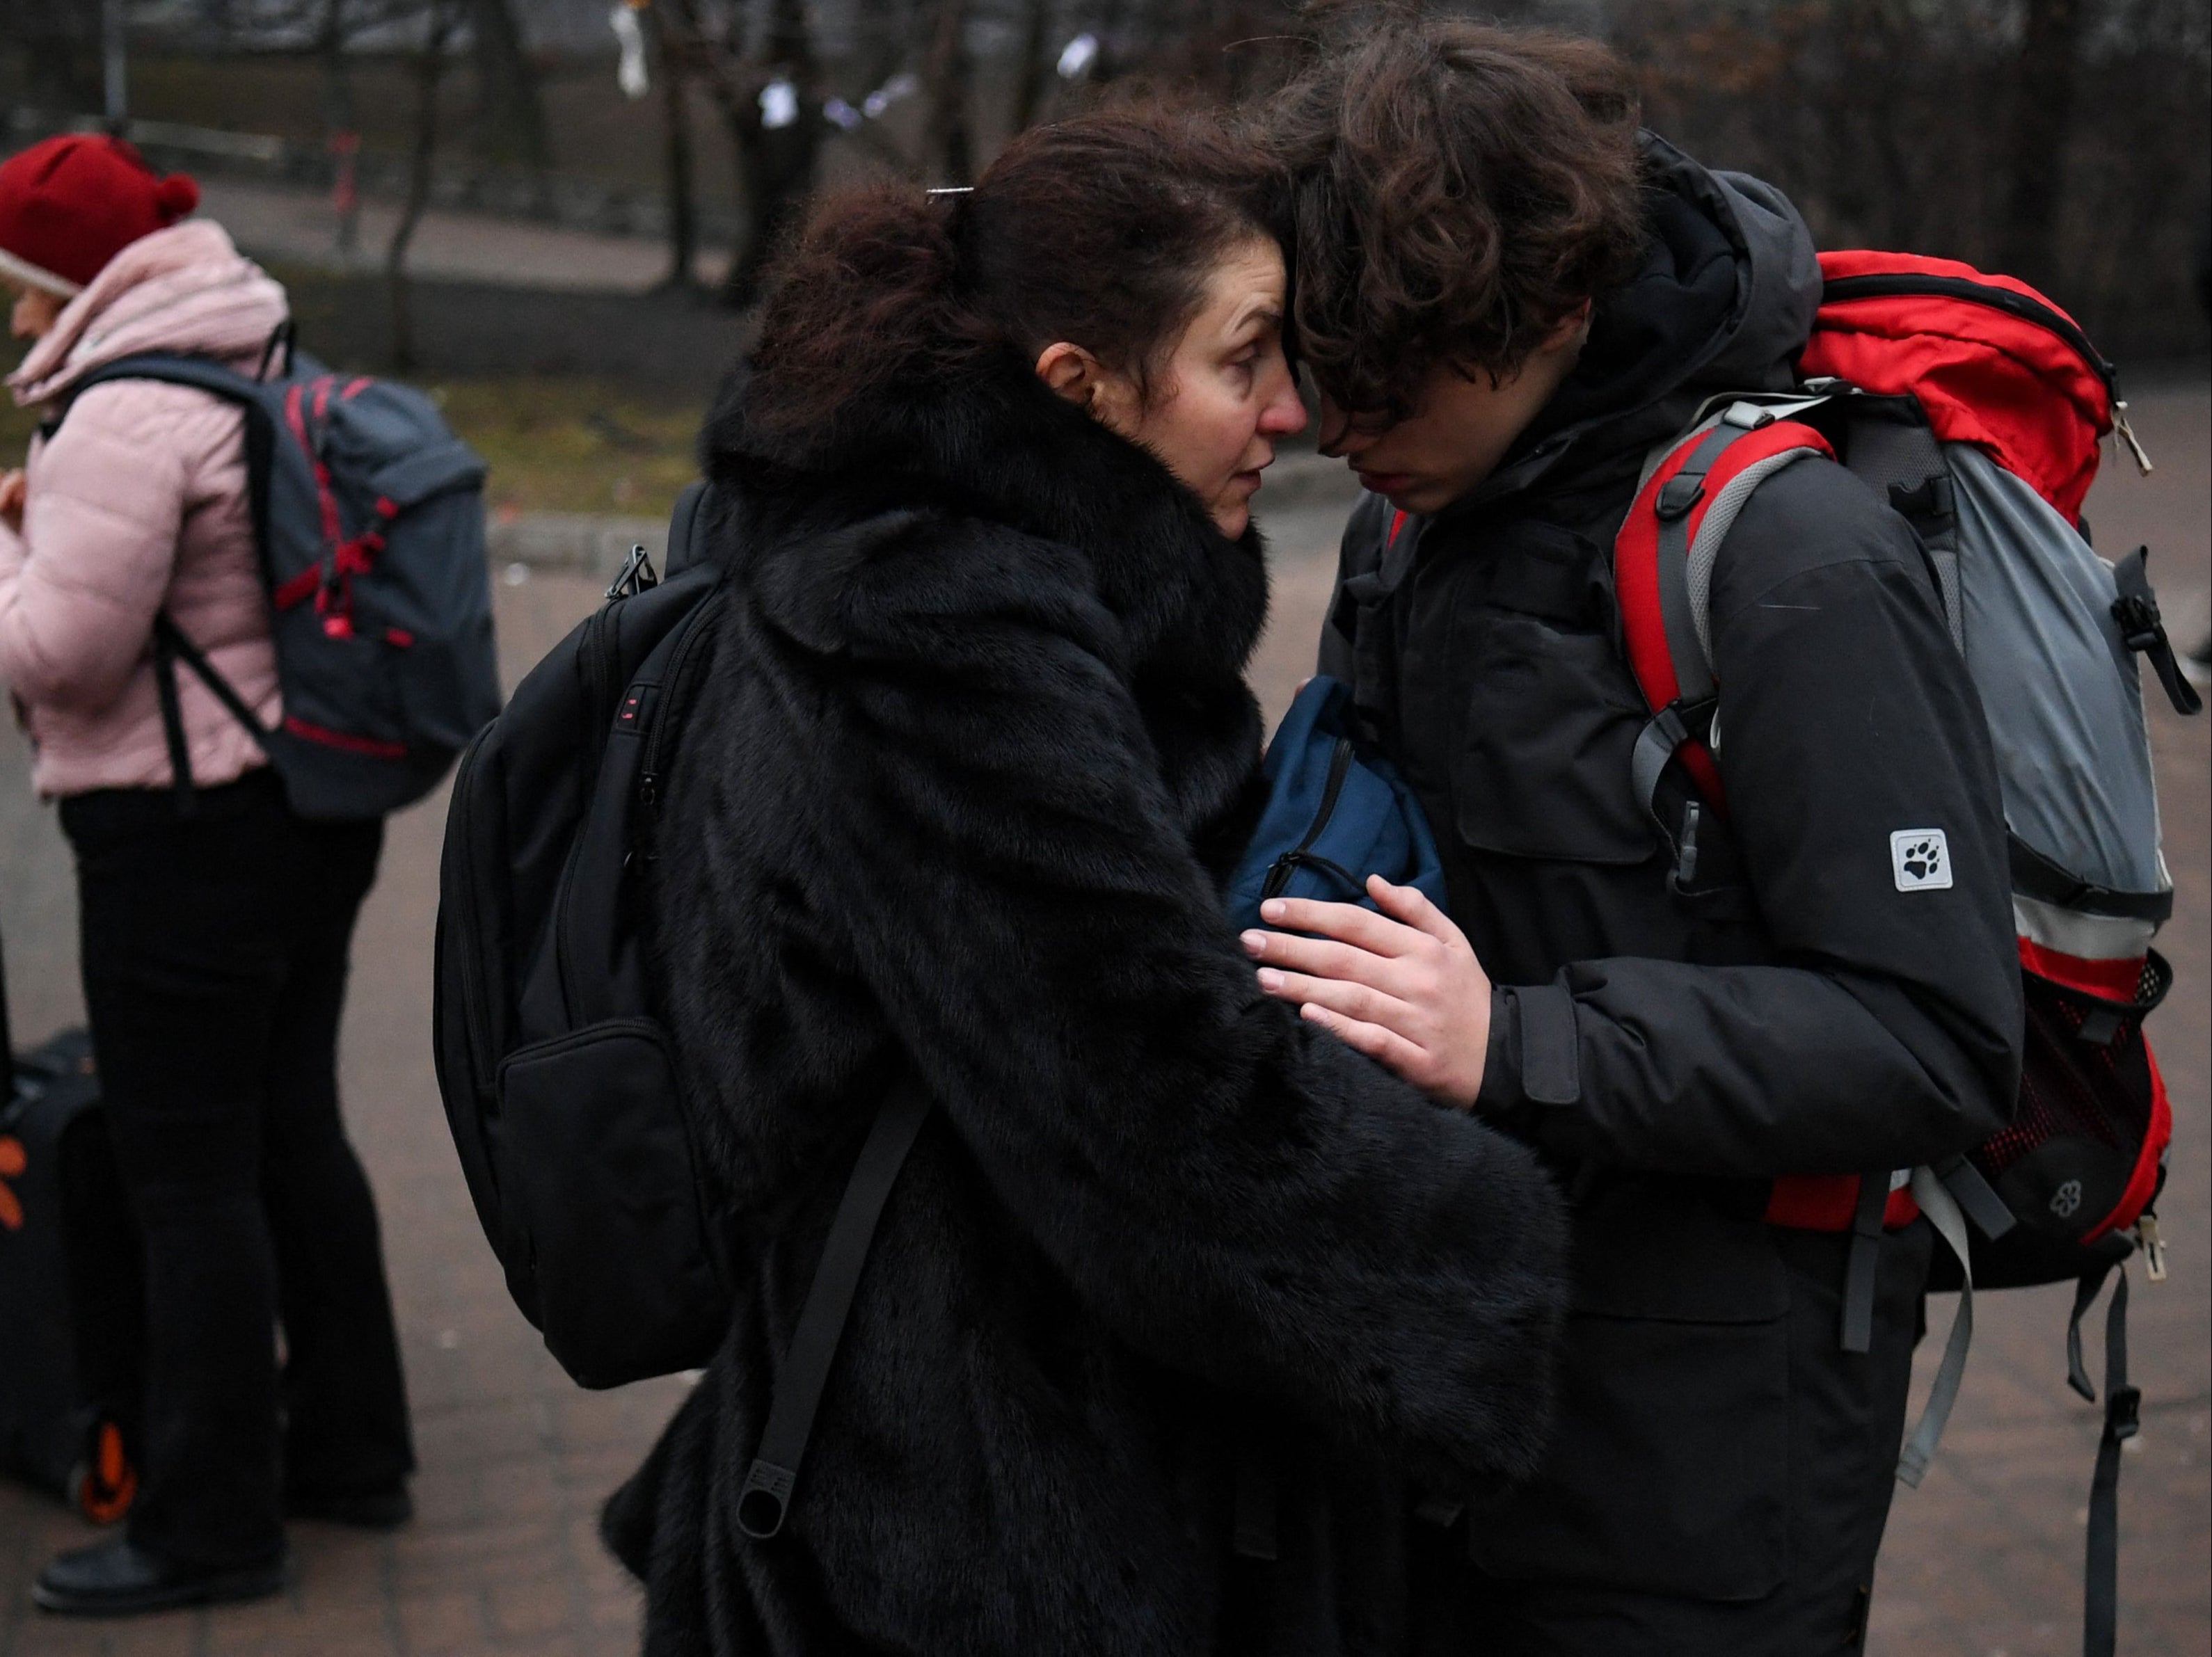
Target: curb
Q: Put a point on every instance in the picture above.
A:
(591, 543)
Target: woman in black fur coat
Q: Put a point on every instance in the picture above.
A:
(973, 750)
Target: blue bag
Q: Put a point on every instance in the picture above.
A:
(1334, 816)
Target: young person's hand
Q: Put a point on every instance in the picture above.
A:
(14, 490)
(1402, 986)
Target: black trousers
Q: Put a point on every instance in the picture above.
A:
(213, 951)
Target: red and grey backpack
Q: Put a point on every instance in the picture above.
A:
(1977, 407)
(368, 527)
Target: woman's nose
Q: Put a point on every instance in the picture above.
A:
(1285, 412)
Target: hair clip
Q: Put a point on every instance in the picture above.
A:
(952, 190)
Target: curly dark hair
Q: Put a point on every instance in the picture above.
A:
(1102, 230)
(1459, 189)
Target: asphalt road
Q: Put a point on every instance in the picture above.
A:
(1984, 1560)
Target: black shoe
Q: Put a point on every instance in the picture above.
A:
(120, 1579)
(371, 1510)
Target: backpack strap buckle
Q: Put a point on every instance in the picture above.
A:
(1680, 492)
(636, 575)
(2142, 629)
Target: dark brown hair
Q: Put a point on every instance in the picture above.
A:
(1459, 189)
(1100, 231)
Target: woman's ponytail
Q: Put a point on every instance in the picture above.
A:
(870, 285)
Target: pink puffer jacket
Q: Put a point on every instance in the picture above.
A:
(138, 504)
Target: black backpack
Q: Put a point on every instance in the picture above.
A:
(561, 1087)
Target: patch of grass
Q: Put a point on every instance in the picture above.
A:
(575, 445)
(553, 444)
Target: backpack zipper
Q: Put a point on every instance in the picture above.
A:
(1843, 289)
(597, 660)
(1840, 290)
(1280, 870)
(648, 771)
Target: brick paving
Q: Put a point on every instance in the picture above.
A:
(1984, 1561)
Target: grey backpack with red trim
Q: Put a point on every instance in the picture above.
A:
(368, 522)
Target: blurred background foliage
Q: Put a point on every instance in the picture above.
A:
(2068, 142)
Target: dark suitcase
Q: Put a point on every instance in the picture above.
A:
(71, 1287)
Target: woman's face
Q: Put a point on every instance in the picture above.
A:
(34, 311)
(1220, 399)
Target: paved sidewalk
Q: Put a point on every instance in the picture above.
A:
(1983, 1562)
(294, 226)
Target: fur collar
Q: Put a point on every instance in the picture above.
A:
(990, 442)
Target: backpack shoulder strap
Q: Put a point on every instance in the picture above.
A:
(170, 643)
(1663, 560)
(172, 368)
(1380, 542)
(766, 1497)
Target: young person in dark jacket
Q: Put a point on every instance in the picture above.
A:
(1508, 294)
(971, 753)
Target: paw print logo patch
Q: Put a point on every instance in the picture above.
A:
(1920, 860)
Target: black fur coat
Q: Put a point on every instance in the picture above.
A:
(971, 753)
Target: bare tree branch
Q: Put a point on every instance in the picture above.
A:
(428, 70)
(948, 151)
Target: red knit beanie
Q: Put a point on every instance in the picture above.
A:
(71, 203)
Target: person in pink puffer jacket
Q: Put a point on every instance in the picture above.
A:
(215, 923)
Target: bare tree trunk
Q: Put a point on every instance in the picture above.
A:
(2043, 120)
(1037, 65)
(511, 115)
(947, 151)
(344, 122)
(429, 69)
(675, 153)
(775, 164)
(54, 38)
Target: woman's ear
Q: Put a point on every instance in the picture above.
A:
(1071, 372)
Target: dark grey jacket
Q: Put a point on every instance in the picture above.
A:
(1671, 1047)
(972, 752)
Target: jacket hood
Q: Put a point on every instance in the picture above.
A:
(1725, 302)
(185, 288)
(988, 441)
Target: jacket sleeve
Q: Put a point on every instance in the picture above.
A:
(108, 498)
(1232, 1191)
(1887, 1030)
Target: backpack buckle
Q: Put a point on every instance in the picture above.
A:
(2124, 1412)
(636, 575)
(2141, 627)
(2154, 1247)
(765, 1499)
(1679, 494)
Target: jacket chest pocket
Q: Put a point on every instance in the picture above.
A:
(1547, 711)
